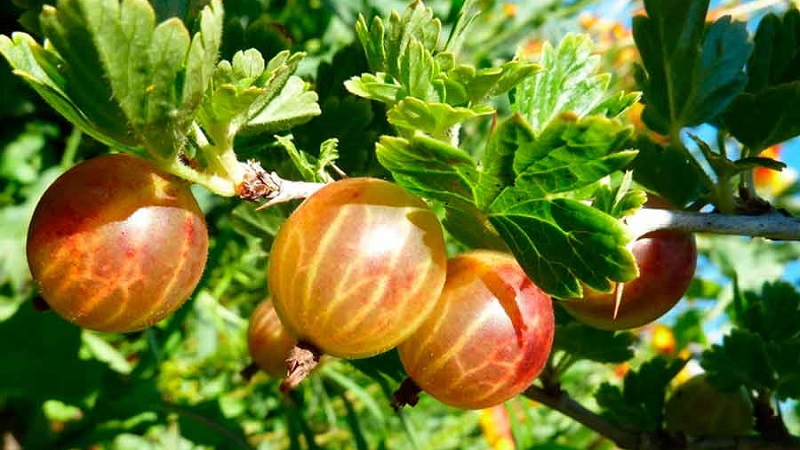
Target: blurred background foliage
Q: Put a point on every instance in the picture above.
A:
(178, 385)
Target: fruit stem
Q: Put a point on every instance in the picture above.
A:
(406, 395)
(302, 360)
(771, 225)
(249, 372)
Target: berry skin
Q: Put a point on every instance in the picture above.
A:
(117, 245)
(357, 267)
(488, 338)
(268, 341)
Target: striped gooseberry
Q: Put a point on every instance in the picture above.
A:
(355, 270)
(116, 245)
(487, 339)
(268, 342)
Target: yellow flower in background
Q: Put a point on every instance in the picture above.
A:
(496, 425)
(773, 183)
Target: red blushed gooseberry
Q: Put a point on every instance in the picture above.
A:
(666, 261)
(356, 268)
(116, 245)
(268, 341)
(487, 339)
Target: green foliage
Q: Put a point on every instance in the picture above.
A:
(582, 342)
(424, 87)
(757, 355)
(764, 114)
(426, 101)
(689, 74)
(639, 404)
(569, 83)
(523, 190)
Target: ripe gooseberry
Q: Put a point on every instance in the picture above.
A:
(666, 259)
(698, 408)
(268, 341)
(487, 339)
(116, 245)
(355, 270)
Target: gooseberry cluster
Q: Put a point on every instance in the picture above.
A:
(359, 268)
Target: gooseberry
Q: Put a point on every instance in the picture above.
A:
(666, 259)
(698, 408)
(488, 338)
(268, 341)
(116, 245)
(356, 268)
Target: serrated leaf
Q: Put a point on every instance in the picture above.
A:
(430, 168)
(497, 166)
(774, 313)
(88, 105)
(776, 48)
(639, 405)
(416, 25)
(569, 154)
(490, 82)
(562, 242)
(766, 118)
(435, 119)
(689, 74)
(787, 366)
(666, 171)
(378, 87)
(295, 105)
(741, 359)
(144, 64)
(585, 342)
(569, 83)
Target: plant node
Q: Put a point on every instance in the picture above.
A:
(303, 358)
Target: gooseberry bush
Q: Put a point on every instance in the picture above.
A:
(450, 224)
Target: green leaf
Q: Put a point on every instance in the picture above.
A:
(569, 83)
(110, 70)
(621, 200)
(777, 46)
(689, 74)
(430, 168)
(80, 379)
(666, 171)
(143, 63)
(741, 359)
(561, 242)
(498, 172)
(88, 105)
(639, 405)
(766, 118)
(570, 154)
(787, 366)
(478, 85)
(435, 119)
(585, 342)
(379, 87)
(295, 105)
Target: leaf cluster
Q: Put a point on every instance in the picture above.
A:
(157, 89)
(760, 353)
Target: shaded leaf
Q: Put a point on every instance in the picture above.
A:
(639, 405)
(689, 74)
